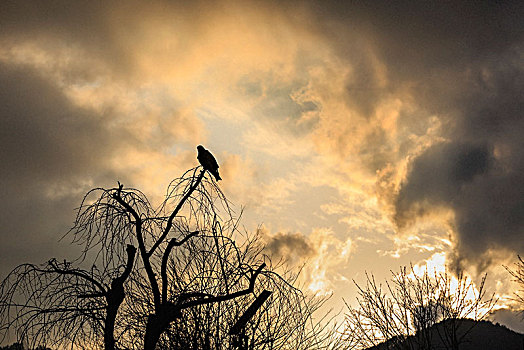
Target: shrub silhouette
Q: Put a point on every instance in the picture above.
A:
(398, 314)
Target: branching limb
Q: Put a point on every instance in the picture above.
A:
(141, 246)
(163, 269)
(175, 212)
(225, 297)
(77, 273)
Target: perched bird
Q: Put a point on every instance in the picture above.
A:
(208, 162)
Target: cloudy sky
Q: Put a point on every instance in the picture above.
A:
(358, 136)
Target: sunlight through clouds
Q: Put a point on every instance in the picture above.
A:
(377, 135)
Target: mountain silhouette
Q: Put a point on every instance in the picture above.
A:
(473, 335)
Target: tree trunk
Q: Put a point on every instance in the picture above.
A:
(114, 298)
(157, 324)
(154, 328)
(109, 339)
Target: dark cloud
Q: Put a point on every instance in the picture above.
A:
(461, 62)
(111, 33)
(42, 130)
(105, 32)
(53, 23)
(440, 176)
(292, 247)
(364, 88)
(412, 35)
(479, 174)
(50, 151)
(426, 46)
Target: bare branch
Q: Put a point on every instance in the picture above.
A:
(141, 246)
(75, 272)
(225, 297)
(402, 313)
(176, 211)
(118, 303)
(163, 270)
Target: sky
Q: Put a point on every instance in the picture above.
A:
(357, 136)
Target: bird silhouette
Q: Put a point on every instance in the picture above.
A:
(208, 162)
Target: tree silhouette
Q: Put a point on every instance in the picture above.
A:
(178, 276)
(403, 311)
(518, 275)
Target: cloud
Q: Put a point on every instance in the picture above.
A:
(320, 254)
(51, 151)
(404, 109)
(290, 246)
(60, 140)
(478, 172)
(509, 318)
(457, 76)
(438, 176)
(94, 93)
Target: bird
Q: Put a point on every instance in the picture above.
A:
(208, 162)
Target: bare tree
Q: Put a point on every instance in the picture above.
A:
(195, 273)
(401, 313)
(59, 304)
(518, 275)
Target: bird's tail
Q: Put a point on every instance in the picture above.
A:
(217, 176)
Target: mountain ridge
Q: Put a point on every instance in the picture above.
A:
(469, 335)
